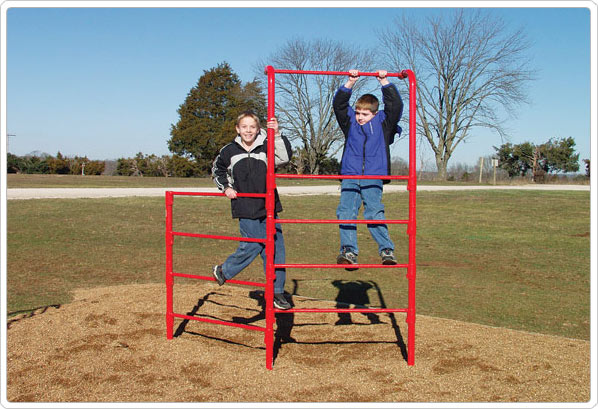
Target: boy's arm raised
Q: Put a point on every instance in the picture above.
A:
(393, 106)
(340, 104)
(282, 146)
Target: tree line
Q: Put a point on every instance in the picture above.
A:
(553, 156)
(139, 165)
(145, 165)
(516, 161)
(180, 166)
(59, 164)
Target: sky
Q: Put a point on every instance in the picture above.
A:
(106, 82)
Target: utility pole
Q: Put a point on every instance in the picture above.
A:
(494, 165)
(481, 167)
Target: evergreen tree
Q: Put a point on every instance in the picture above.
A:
(207, 117)
(59, 164)
(559, 156)
(14, 164)
(556, 155)
(517, 160)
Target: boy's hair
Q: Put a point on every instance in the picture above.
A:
(250, 114)
(369, 102)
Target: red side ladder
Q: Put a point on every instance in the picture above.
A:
(270, 312)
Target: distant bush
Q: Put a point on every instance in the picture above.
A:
(47, 164)
(152, 165)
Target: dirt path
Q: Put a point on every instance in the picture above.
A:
(109, 345)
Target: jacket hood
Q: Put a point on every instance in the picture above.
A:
(259, 139)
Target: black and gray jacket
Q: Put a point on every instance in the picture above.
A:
(246, 173)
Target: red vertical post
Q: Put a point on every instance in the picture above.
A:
(412, 229)
(169, 239)
(270, 228)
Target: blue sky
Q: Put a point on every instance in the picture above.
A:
(106, 82)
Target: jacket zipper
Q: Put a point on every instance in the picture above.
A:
(364, 142)
(249, 166)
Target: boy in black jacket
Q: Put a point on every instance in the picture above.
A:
(241, 167)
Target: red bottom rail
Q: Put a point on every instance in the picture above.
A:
(212, 321)
(292, 310)
(355, 266)
(207, 278)
(343, 310)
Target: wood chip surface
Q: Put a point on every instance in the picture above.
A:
(109, 345)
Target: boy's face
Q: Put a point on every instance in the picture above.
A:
(248, 129)
(363, 116)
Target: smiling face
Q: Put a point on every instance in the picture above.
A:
(248, 128)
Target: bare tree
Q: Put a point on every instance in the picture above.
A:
(304, 102)
(468, 66)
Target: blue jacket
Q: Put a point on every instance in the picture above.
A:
(367, 147)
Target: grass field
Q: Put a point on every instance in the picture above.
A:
(50, 181)
(516, 259)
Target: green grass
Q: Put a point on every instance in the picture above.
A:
(14, 181)
(516, 259)
(78, 181)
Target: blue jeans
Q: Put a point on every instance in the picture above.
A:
(353, 193)
(248, 251)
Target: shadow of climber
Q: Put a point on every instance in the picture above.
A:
(353, 293)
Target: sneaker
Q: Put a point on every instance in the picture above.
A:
(280, 302)
(218, 275)
(388, 257)
(347, 257)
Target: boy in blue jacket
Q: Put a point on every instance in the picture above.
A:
(368, 136)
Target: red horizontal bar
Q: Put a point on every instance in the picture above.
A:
(343, 310)
(262, 195)
(211, 321)
(401, 74)
(210, 278)
(211, 236)
(340, 265)
(389, 177)
(342, 221)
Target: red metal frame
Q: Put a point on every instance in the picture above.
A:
(268, 330)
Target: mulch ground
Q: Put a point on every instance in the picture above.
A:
(110, 345)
